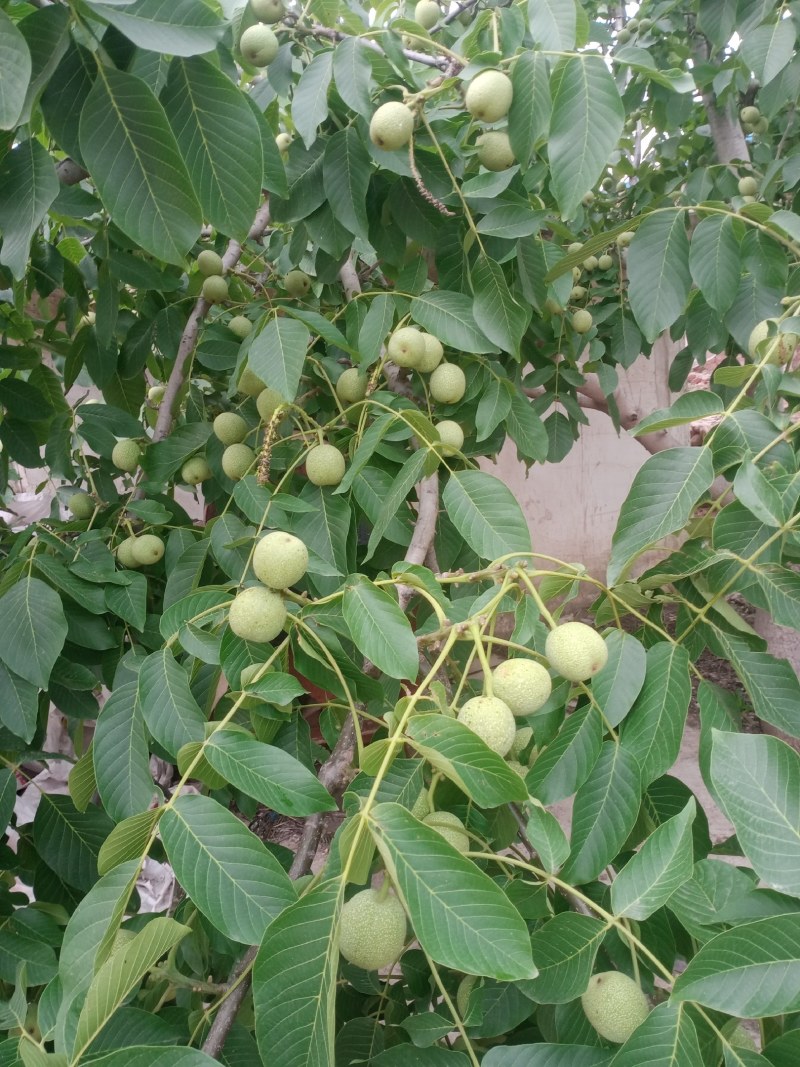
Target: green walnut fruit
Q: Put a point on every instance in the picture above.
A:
(324, 465)
(372, 930)
(283, 142)
(125, 556)
(581, 321)
(624, 239)
(351, 386)
(406, 347)
(249, 383)
(215, 289)
(576, 274)
(126, 455)
(297, 284)
(517, 768)
(432, 356)
(522, 738)
(258, 45)
(645, 25)
(762, 126)
(148, 549)
(237, 461)
(240, 326)
(209, 263)
(268, 10)
(427, 13)
(155, 394)
(465, 987)
(195, 470)
(81, 505)
(623, 36)
(614, 1005)
(591, 263)
(491, 719)
(488, 96)
(422, 805)
(495, 151)
(450, 827)
(230, 428)
(523, 684)
(575, 651)
(280, 560)
(257, 614)
(748, 186)
(573, 247)
(780, 346)
(750, 115)
(451, 435)
(391, 126)
(587, 199)
(576, 293)
(605, 262)
(267, 402)
(448, 383)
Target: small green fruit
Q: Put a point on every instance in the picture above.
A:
(523, 684)
(230, 428)
(249, 383)
(215, 289)
(280, 560)
(125, 556)
(576, 274)
(283, 141)
(237, 461)
(195, 470)
(587, 199)
(451, 435)
(391, 126)
(209, 263)
(576, 651)
(268, 10)
(762, 126)
(257, 614)
(427, 13)
(422, 805)
(614, 1005)
(581, 321)
(81, 505)
(495, 151)
(517, 768)
(267, 402)
(448, 383)
(748, 186)
(126, 455)
(522, 738)
(491, 719)
(605, 262)
(324, 465)
(155, 394)
(576, 293)
(750, 115)
(591, 263)
(406, 347)
(624, 239)
(645, 25)
(297, 284)
(148, 549)
(351, 386)
(573, 247)
(433, 355)
(258, 45)
(372, 931)
(240, 326)
(633, 25)
(623, 36)
(488, 96)
(450, 827)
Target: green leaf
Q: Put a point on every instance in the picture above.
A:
(121, 756)
(163, 458)
(585, 125)
(135, 163)
(153, 1056)
(567, 761)
(294, 981)
(226, 870)
(458, 752)
(170, 711)
(619, 683)
(268, 774)
(772, 684)
(460, 916)
(28, 186)
(546, 1055)
(325, 532)
(778, 592)
(564, 950)
(660, 501)
(751, 971)
(689, 407)
(33, 629)
(380, 629)
(406, 478)
(526, 428)
(757, 782)
(661, 866)
(346, 171)
(667, 1038)
(19, 704)
(486, 514)
(604, 813)
(653, 729)
(69, 840)
(8, 796)
(553, 25)
(175, 27)
(768, 48)
(758, 495)
(512, 220)
(352, 72)
(496, 311)
(310, 98)
(216, 133)
(658, 272)
(128, 840)
(129, 601)
(277, 354)
(449, 316)
(548, 839)
(714, 261)
(15, 63)
(121, 974)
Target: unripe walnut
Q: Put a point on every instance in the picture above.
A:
(748, 186)
(297, 284)
(351, 386)
(280, 560)
(237, 461)
(195, 470)
(148, 549)
(488, 96)
(448, 383)
(614, 1005)
(230, 428)
(427, 13)
(372, 930)
(81, 505)
(257, 614)
(750, 115)
(391, 126)
(125, 556)
(582, 321)
(432, 356)
(325, 465)
(126, 455)
(450, 827)
(283, 141)
(240, 326)
(451, 435)
(267, 403)
(406, 347)
(215, 289)
(249, 383)
(258, 45)
(605, 262)
(576, 651)
(495, 151)
(268, 10)
(491, 719)
(208, 263)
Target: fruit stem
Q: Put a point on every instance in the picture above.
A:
(537, 599)
(484, 660)
(436, 777)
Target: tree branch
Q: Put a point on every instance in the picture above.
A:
(424, 530)
(316, 30)
(233, 253)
